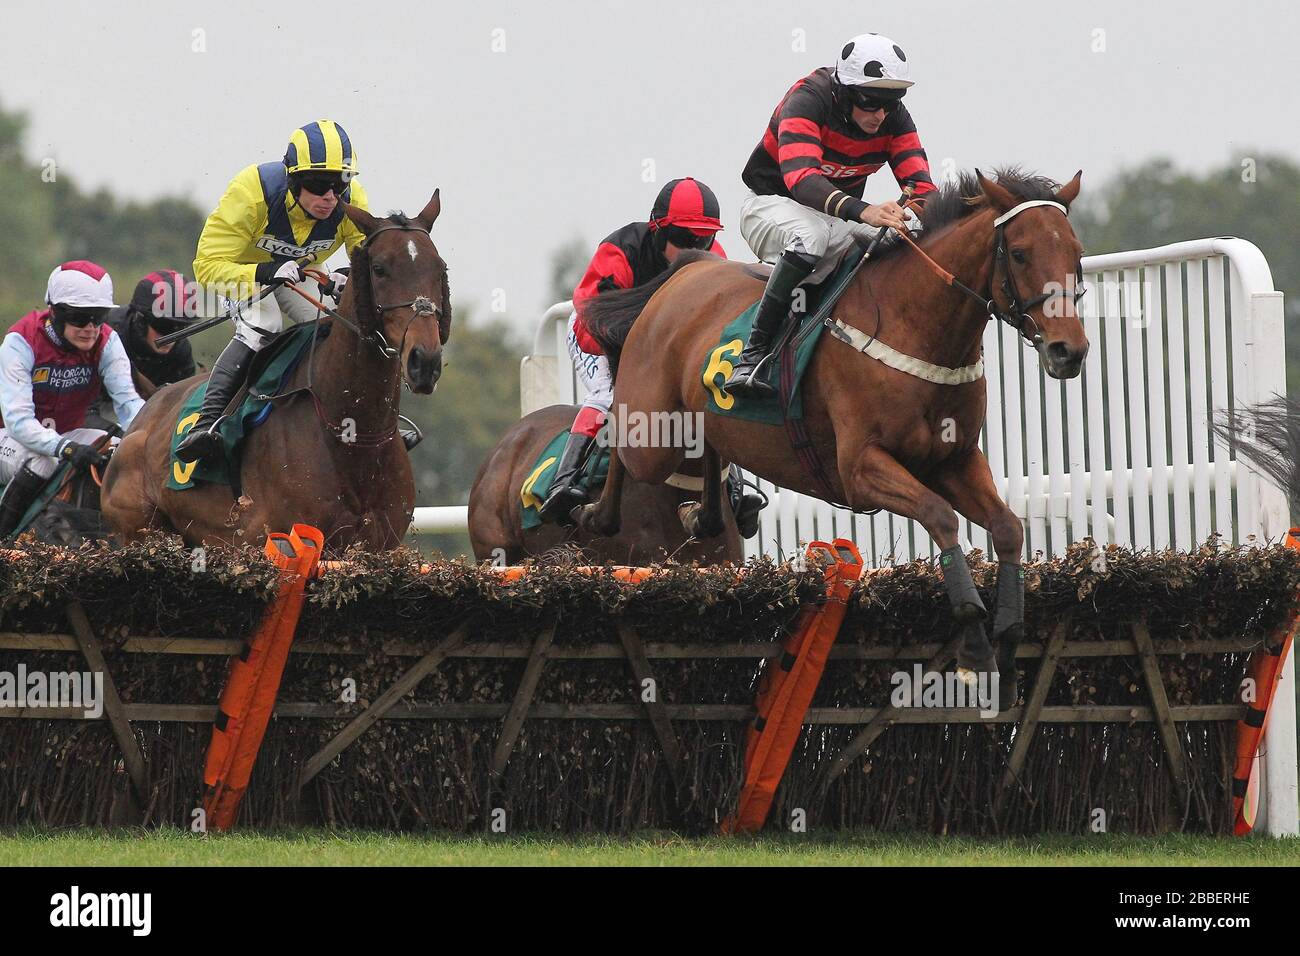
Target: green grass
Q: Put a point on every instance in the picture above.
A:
(28, 847)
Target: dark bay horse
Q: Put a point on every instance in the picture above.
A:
(905, 441)
(330, 457)
(650, 533)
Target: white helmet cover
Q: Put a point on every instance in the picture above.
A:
(82, 284)
(872, 60)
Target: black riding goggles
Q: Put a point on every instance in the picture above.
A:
(165, 326)
(685, 239)
(320, 185)
(80, 318)
(866, 101)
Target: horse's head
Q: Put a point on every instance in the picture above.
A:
(399, 290)
(1037, 273)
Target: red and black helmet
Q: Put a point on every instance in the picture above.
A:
(688, 204)
(161, 298)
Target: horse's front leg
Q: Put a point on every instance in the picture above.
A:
(603, 517)
(968, 484)
(877, 480)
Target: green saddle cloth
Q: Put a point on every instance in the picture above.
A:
(718, 367)
(538, 483)
(282, 355)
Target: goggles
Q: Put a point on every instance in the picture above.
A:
(865, 100)
(79, 318)
(320, 185)
(683, 238)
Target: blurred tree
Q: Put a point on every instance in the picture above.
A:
(476, 401)
(568, 263)
(49, 220)
(1254, 197)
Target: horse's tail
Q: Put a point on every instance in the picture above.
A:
(1268, 436)
(610, 315)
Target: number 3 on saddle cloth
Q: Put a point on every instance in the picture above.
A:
(270, 371)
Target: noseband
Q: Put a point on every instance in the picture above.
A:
(1017, 314)
(420, 305)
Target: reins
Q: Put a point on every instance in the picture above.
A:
(420, 305)
(1016, 314)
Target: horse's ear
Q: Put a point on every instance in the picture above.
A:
(999, 197)
(1070, 191)
(363, 220)
(429, 214)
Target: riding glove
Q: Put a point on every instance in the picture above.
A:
(81, 456)
(337, 280)
(268, 273)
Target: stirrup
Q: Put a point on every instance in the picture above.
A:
(559, 504)
(200, 444)
(410, 436)
(751, 382)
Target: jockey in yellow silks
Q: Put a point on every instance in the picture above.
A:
(274, 220)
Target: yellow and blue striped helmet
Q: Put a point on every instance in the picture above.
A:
(323, 145)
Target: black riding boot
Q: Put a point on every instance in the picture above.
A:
(18, 497)
(746, 507)
(227, 376)
(566, 494)
(746, 377)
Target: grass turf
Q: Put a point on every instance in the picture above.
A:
(29, 847)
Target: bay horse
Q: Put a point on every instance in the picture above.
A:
(903, 440)
(496, 529)
(330, 454)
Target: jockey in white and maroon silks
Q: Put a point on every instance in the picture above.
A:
(831, 130)
(53, 363)
(686, 215)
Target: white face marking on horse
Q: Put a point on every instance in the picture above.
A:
(410, 247)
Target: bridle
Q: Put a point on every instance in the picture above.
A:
(1016, 314)
(420, 305)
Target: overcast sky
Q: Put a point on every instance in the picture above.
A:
(548, 138)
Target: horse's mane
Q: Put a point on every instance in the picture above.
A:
(963, 198)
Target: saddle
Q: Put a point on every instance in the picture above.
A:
(793, 352)
(249, 408)
(267, 354)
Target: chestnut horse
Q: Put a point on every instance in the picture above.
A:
(496, 522)
(899, 432)
(330, 454)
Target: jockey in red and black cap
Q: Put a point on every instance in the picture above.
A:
(685, 215)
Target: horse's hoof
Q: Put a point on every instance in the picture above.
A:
(590, 519)
(692, 516)
(688, 513)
